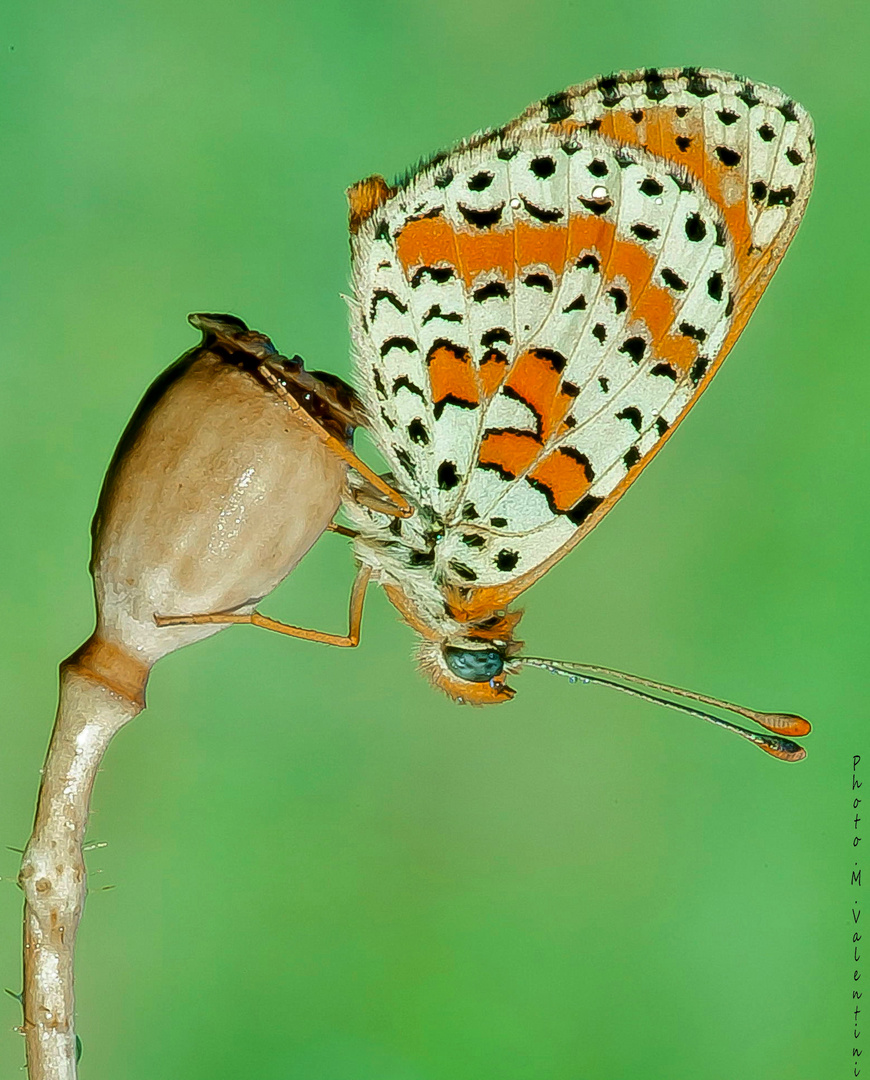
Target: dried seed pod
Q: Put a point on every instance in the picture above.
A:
(216, 491)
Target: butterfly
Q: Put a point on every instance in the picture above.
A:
(534, 313)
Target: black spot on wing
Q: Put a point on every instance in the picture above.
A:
(481, 219)
(539, 281)
(555, 359)
(440, 275)
(452, 399)
(696, 83)
(631, 457)
(651, 187)
(498, 522)
(715, 285)
(558, 107)
(497, 333)
(447, 476)
(759, 191)
(683, 142)
(696, 228)
(404, 382)
(632, 415)
(598, 167)
(727, 117)
(398, 343)
(473, 540)
(583, 509)
(480, 181)
(577, 304)
(654, 85)
(597, 206)
(783, 197)
(380, 389)
(543, 167)
(634, 348)
(505, 153)
(688, 330)
(599, 332)
(794, 156)
(507, 560)
(445, 178)
(698, 369)
(540, 213)
(435, 312)
(788, 110)
(620, 300)
(493, 290)
(767, 133)
(748, 96)
(661, 425)
(644, 232)
(673, 280)
(610, 95)
(390, 297)
(729, 158)
(589, 262)
(665, 370)
(418, 433)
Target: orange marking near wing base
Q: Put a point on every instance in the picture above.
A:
(364, 198)
(564, 476)
(452, 375)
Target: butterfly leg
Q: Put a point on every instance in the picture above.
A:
(348, 640)
(342, 530)
(395, 504)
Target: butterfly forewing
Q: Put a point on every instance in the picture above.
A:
(537, 310)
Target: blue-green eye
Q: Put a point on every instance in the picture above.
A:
(474, 665)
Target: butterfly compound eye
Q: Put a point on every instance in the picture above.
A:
(474, 665)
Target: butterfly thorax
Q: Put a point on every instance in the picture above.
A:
(457, 632)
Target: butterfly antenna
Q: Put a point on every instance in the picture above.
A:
(781, 724)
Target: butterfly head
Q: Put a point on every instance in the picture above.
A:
(469, 658)
(471, 670)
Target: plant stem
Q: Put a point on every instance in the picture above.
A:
(100, 692)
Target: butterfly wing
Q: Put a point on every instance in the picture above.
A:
(537, 311)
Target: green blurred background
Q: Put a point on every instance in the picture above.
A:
(317, 868)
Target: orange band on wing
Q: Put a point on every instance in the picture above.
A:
(660, 136)
(536, 380)
(508, 250)
(509, 453)
(563, 476)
